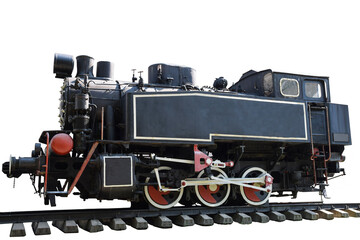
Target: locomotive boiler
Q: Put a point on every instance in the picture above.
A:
(169, 142)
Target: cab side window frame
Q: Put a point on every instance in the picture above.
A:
(288, 89)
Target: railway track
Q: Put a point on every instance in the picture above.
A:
(92, 220)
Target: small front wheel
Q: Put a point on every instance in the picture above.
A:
(161, 199)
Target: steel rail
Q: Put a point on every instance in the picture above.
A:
(127, 213)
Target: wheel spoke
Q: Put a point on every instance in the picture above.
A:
(254, 196)
(161, 199)
(215, 194)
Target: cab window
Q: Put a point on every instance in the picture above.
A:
(289, 87)
(313, 89)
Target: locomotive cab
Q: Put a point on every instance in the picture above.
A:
(328, 127)
(283, 86)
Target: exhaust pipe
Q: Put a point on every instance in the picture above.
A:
(85, 66)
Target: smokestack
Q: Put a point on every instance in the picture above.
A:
(85, 65)
(105, 69)
(63, 65)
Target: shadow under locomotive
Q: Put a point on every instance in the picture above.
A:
(168, 141)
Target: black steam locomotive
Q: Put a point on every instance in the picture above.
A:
(169, 142)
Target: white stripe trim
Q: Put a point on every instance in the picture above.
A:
(131, 171)
(218, 134)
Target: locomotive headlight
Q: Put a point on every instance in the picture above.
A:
(63, 65)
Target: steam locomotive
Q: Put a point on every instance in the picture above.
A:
(169, 142)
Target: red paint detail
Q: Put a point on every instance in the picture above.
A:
(83, 166)
(229, 164)
(46, 162)
(61, 144)
(183, 183)
(315, 153)
(157, 196)
(269, 180)
(205, 193)
(198, 155)
(250, 194)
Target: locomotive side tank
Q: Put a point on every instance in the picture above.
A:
(169, 142)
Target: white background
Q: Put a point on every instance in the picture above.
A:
(217, 38)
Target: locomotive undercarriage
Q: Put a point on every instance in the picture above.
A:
(162, 177)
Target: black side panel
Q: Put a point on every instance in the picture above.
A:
(117, 171)
(203, 117)
(339, 124)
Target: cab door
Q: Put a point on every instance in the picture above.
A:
(316, 98)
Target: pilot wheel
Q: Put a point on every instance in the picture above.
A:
(161, 199)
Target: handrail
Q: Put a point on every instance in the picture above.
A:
(83, 166)
(46, 162)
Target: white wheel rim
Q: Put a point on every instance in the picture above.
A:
(155, 204)
(243, 192)
(206, 203)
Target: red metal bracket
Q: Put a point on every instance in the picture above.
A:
(83, 166)
(201, 157)
(268, 180)
(46, 162)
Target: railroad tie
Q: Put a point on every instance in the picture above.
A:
(203, 220)
(309, 215)
(222, 218)
(182, 220)
(41, 228)
(325, 214)
(138, 223)
(92, 225)
(293, 216)
(116, 224)
(353, 212)
(160, 222)
(241, 218)
(339, 213)
(68, 226)
(259, 217)
(17, 230)
(276, 216)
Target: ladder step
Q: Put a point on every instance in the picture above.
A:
(321, 169)
(318, 107)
